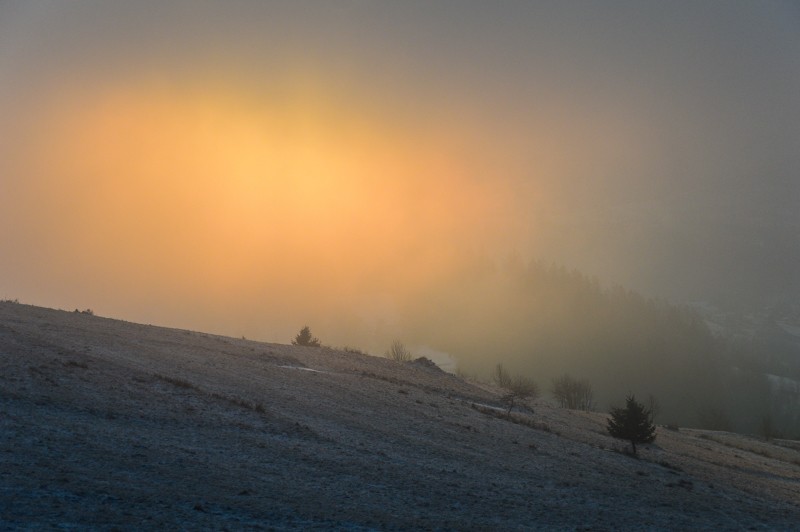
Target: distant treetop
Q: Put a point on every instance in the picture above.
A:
(304, 337)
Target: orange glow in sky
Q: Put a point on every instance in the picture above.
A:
(248, 167)
(202, 194)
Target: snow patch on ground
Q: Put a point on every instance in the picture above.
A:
(304, 369)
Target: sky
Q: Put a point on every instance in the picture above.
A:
(250, 167)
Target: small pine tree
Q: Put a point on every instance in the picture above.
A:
(304, 337)
(633, 423)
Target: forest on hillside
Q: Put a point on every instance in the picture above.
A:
(543, 321)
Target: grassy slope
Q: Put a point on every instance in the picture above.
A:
(113, 424)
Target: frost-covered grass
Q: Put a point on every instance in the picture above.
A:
(108, 424)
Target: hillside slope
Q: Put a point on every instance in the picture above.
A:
(111, 424)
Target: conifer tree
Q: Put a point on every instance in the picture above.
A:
(304, 337)
(633, 423)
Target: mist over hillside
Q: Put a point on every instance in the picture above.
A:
(544, 321)
(246, 168)
(240, 167)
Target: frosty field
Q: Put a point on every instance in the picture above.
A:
(106, 424)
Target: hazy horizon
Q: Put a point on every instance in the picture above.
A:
(250, 167)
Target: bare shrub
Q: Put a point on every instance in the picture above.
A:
(398, 352)
(573, 393)
(519, 391)
(501, 376)
(654, 406)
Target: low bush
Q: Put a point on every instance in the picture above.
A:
(398, 352)
(572, 393)
(518, 389)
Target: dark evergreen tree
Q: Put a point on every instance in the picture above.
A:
(633, 423)
(304, 337)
